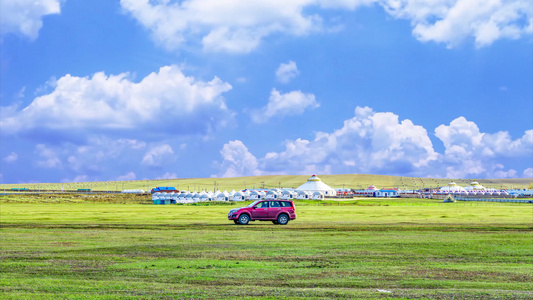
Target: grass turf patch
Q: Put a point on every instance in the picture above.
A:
(113, 251)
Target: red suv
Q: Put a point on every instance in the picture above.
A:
(277, 211)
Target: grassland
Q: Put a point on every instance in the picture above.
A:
(351, 249)
(358, 181)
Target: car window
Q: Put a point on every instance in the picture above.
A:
(253, 203)
(275, 204)
(285, 204)
(262, 204)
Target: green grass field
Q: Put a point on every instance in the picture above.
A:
(364, 248)
(356, 181)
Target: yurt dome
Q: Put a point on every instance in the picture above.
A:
(475, 186)
(452, 187)
(315, 184)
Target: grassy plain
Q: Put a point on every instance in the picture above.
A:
(366, 248)
(358, 181)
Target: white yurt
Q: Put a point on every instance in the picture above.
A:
(256, 195)
(273, 194)
(196, 197)
(302, 195)
(239, 196)
(288, 194)
(182, 196)
(318, 195)
(188, 197)
(315, 184)
(222, 196)
(474, 187)
(452, 188)
(205, 197)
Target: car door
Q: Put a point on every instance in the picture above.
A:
(260, 211)
(274, 209)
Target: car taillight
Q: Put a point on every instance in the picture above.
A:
(292, 203)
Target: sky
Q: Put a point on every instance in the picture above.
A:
(134, 89)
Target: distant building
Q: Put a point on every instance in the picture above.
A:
(474, 186)
(452, 188)
(315, 184)
(386, 193)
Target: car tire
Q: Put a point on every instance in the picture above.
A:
(283, 219)
(244, 219)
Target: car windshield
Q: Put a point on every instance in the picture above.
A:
(253, 203)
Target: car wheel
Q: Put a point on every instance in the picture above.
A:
(283, 219)
(244, 219)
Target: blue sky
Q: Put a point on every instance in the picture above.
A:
(137, 89)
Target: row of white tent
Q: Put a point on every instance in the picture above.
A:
(133, 192)
(193, 197)
(473, 193)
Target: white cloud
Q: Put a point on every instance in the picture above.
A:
(452, 21)
(471, 153)
(25, 16)
(164, 101)
(500, 173)
(379, 143)
(11, 157)
(367, 143)
(283, 105)
(94, 156)
(286, 72)
(158, 155)
(225, 25)
(168, 175)
(127, 176)
(528, 172)
(237, 161)
(240, 26)
(465, 136)
(460, 133)
(78, 178)
(48, 157)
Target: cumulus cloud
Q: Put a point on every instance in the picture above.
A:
(451, 22)
(286, 72)
(47, 157)
(104, 158)
(78, 178)
(158, 155)
(379, 143)
(283, 105)
(240, 26)
(237, 161)
(167, 101)
(528, 172)
(168, 175)
(11, 157)
(369, 142)
(225, 25)
(470, 152)
(25, 16)
(92, 156)
(127, 176)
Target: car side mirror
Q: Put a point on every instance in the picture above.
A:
(254, 207)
